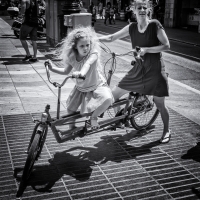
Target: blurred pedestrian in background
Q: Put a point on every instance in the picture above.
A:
(29, 12)
(112, 14)
(107, 13)
(128, 13)
(100, 9)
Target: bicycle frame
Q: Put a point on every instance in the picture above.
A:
(83, 130)
(62, 120)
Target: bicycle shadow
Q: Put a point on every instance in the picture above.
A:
(44, 177)
(193, 153)
(114, 148)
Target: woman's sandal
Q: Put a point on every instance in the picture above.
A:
(93, 123)
(166, 138)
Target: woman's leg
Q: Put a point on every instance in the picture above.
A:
(118, 92)
(160, 104)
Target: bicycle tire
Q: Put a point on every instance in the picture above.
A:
(32, 136)
(32, 154)
(146, 117)
(31, 158)
(42, 140)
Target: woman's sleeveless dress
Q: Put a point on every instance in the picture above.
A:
(150, 79)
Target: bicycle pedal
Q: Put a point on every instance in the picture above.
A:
(113, 129)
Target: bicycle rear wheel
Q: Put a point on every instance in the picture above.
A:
(31, 158)
(144, 114)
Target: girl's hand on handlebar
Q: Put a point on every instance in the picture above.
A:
(49, 63)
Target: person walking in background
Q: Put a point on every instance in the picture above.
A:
(150, 78)
(90, 10)
(100, 10)
(112, 15)
(29, 11)
(128, 14)
(107, 13)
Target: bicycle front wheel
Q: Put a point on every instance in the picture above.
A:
(144, 114)
(31, 158)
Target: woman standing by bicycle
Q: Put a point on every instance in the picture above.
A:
(80, 52)
(150, 78)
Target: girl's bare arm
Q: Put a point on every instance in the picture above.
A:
(58, 70)
(120, 34)
(93, 58)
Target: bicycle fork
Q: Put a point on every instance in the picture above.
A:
(40, 125)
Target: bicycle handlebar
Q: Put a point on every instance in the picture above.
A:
(64, 81)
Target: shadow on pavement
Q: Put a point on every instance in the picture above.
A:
(17, 60)
(110, 149)
(193, 153)
(44, 177)
(80, 166)
(196, 191)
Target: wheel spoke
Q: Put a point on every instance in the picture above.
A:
(147, 113)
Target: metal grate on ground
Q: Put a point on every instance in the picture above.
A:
(107, 165)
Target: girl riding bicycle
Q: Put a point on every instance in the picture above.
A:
(80, 52)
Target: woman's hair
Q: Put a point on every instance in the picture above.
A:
(149, 6)
(67, 46)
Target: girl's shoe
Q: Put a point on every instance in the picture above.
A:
(166, 138)
(93, 122)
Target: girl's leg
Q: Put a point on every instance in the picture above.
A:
(72, 122)
(160, 104)
(101, 108)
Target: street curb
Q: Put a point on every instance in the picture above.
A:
(181, 41)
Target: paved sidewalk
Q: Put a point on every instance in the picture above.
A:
(107, 165)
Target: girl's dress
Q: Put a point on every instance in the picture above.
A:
(91, 92)
(150, 79)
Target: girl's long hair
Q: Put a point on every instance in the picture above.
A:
(67, 47)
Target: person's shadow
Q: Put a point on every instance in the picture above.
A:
(193, 153)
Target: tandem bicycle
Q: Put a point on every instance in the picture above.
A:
(138, 109)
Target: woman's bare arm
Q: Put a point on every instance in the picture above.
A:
(120, 34)
(63, 71)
